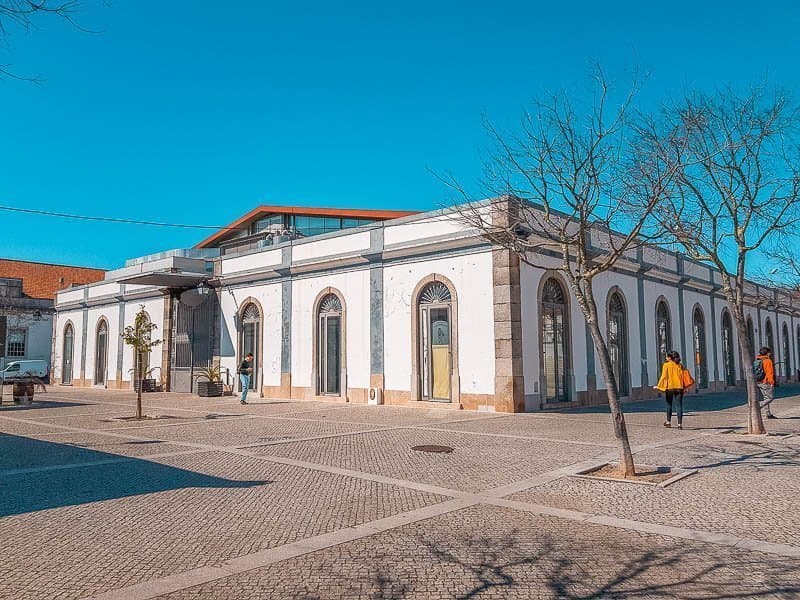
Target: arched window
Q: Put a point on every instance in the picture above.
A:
(770, 337)
(727, 348)
(68, 349)
(101, 353)
(435, 351)
(329, 345)
(663, 332)
(787, 352)
(699, 338)
(554, 342)
(250, 339)
(751, 336)
(618, 341)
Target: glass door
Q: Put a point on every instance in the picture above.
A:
(330, 354)
(435, 353)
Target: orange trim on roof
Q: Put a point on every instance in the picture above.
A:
(353, 213)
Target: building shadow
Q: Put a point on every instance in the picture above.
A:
(8, 405)
(39, 475)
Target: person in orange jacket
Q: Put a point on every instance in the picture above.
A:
(674, 381)
(764, 372)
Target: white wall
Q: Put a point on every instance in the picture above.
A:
(472, 277)
(76, 318)
(354, 286)
(269, 296)
(155, 310)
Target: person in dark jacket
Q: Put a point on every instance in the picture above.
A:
(245, 372)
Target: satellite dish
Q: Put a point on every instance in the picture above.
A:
(193, 298)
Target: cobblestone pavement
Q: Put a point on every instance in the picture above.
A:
(320, 500)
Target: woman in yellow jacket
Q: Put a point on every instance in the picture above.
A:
(674, 381)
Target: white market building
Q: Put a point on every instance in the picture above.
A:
(414, 309)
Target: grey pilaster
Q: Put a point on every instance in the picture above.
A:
(84, 334)
(376, 352)
(681, 307)
(642, 330)
(286, 311)
(714, 343)
(120, 341)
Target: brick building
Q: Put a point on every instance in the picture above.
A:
(27, 294)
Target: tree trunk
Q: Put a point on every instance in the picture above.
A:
(612, 393)
(138, 372)
(755, 424)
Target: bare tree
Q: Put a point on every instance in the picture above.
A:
(737, 193)
(24, 14)
(563, 185)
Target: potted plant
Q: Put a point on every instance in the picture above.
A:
(211, 386)
(148, 381)
(25, 388)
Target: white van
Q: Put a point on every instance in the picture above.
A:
(24, 368)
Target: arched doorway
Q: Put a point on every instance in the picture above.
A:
(618, 341)
(101, 353)
(250, 340)
(554, 341)
(663, 332)
(699, 338)
(434, 308)
(727, 348)
(68, 350)
(787, 352)
(329, 346)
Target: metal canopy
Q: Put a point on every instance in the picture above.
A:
(166, 279)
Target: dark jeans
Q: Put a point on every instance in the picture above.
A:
(674, 395)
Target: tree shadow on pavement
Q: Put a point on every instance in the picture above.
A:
(38, 475)
(495, 567)
(757, 454)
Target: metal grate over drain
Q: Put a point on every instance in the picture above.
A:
(432, 448)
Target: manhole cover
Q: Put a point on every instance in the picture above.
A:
(432, 448)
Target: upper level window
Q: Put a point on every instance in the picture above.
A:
(10, 287)
(270, 222)
(15, 343)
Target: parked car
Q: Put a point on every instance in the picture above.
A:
(19, 369)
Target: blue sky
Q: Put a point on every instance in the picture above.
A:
(194, 112)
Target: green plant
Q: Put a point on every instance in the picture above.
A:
(212, 374)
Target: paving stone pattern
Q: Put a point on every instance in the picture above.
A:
(209, 502)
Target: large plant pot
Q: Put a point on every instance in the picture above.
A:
(23, 392)
(148, 385)
(209, 389)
